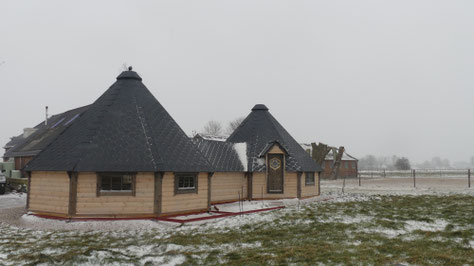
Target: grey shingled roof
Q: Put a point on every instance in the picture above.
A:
(44, 134)
(258, 130)
(221, 155)
(125, 129)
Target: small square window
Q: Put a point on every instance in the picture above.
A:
(309, 180)
(185, 183)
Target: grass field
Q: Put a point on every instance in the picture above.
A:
(426, 229)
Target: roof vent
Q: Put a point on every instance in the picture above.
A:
(260, 107)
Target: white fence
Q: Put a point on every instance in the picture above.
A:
(442, 173)
(417, 173)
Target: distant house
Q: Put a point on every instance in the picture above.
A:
(348, 167)
(125, 156)
(23, 148)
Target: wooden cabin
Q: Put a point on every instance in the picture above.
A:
(125, 156)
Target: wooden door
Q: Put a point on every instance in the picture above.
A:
(275, 173)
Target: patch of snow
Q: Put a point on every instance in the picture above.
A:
(438, 225)
(241, 149)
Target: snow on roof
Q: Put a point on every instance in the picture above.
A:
(241, 149)
(211, 137)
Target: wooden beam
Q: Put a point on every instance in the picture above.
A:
(72, 193)
(28, 190)
(298, 182)
(250, 185)
(158, 193)
(209, 189)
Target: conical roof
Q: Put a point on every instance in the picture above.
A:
(260, 130)
(124, 130)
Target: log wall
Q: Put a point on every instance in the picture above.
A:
(183, 202)
(49, 192)
(309, 190)
(260, 183)
(225, 186)
(89, 204)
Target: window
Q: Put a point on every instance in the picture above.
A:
(185, 183)
(354, 165)
(346, 165)
(115, 184)
(323, 165)
(309, 180)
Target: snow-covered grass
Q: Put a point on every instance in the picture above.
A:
(333, 229)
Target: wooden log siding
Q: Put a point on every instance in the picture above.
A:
(89, 204)
(259, 181)
(183, 202)
(49, 192)
(226, 186)
(310, 190)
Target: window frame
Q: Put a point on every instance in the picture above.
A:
(306, 179)
(178, 190)
(101, 175)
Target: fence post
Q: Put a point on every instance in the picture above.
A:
(383, 173)
(359, 179)
(468, 178)
(414, 178)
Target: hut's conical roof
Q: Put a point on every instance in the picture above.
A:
(125, 129)
(260, 130)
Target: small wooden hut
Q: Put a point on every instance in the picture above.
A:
(277, 166)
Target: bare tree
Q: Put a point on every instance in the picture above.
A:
(213, 128)
(234, 124)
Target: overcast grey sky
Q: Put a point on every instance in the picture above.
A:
(379, 77)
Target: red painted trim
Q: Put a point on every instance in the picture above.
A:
(222, 215)
(91, 218)
(166, 218)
